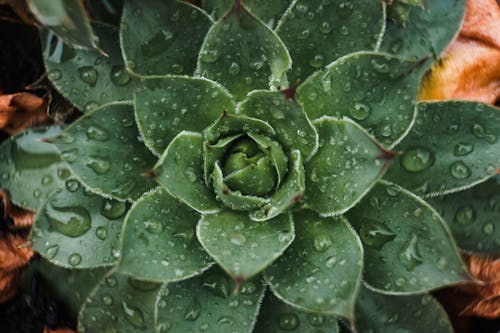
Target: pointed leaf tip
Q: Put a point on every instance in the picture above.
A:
(151, 174)
(289, 92)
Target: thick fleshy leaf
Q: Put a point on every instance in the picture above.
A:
(380, 313)
(318, 33)
(275, 154)
(230, 124)
(207, 303)
(215, 152)
(180, 172)
(85, 77)
(68, 286)
(428, 31)
(159, 243)
(109, 11)
(167, 105)
(234, 199)
(162, 37)
(408, 247)
(293, 128)
(278, 317)
(67, 18)
(321, 271)
(268, 11)
(242, 53)
(30, 169)
(452, 146)
(288, 194)
(377, 90)
(73, 223)
(472, 216)
(120, 304)
(104, 151)
(241, 246)
(346, 166)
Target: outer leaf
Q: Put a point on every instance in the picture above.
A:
(120, 304)
(453, 145)
(318, 33)
(167, 105)
(408, 248)
(31, 170)
(321, 271)
(104, 152)
(288, 194)
(278, 317)
(368, 87)
(163, 37)
(293, 128)
(241, 246)
(67, 18)
(180, 172)
(429, 29)
(73, 223)
(242, 53)
(158, 242)
(85, 77)
(70, 287)
(472, 216)
(207, 303)
(229, 124)
(268, 11)
(346, 166)
(380, 313)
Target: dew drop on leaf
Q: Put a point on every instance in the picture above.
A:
(133, 315)
(288, 321)
(465, 215)
(51, 251)
(417, 159)
(459, 170)
(89, 75)
(193, 310)
(74, 259)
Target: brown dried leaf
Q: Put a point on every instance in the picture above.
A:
(482, 22)
(22, 110)
(21, 218)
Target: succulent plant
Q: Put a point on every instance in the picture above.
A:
(255, 167)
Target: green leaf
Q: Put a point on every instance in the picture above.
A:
(380, 313)
(429, 29)
(268, 11)
(163, 37)
(278, 317)
(85, 77)
(180, 172)
(68, 286)
(73, 223)
(346, 166)
(472, 216)
(167, 105)
(235, 199)
(207, 303)
(67, 18)
(120, 304)
(159, 243)
(408, 247)
(215, 152)
(242, 53)
(31, 169)
(321, 271)
(293, 128)
(104, 151)
(109, 11)
(241, 246)
(452, 146)
(317, 34)
(377, 90)
(288, 194)
(274, 153)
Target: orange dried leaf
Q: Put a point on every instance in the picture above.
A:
(482, 22)
(22, 110)
(21, 218)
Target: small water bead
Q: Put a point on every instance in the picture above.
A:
(47, 180)
(410, 256)
(63, 173)
(164, 326)
(119, 76)
(37, 193)
(89, 75)
(238, 239)
(193, 310)
(317, 61)
(98, 133)
(331, 261)
(325, 28)
(101, 233)
(322, 242)
(217, 284)
(133, 315)
(248, 288)
(111, 281)
(288, 321)
(98, 165)
(465, 215)
(417, 159)
(113, 209)
(225, 321)
(74, 259)
(91, 106)
(51, 251)
(54, 75)
(459, 170)
(488, 228)
(153, 226)
(234, 69)
(463, 149)
(209, 56)
(360, 111)
(107, 299)
(442, 263)
(316, 319)
(191, 174)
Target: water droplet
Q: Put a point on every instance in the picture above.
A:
(248, 288)
(360, 111)
(238, 239)
(209, 56)
(47, 180)
(325, 28)
(193, 310)
(191, 174)
(344, 30)
(111, 281)
(177, 68)
(217, 284)
(316, 319)
(101, 233)
(54, 75)
(225, 321)
(410, 257)
(63, 173)
(89, 75)
(97, 133)
(417, 159)
(164, 326)
(317, 61)
(289, 321)
(322, 242)
(99, 165)
(113, 209)
(375, 235)
(51, 251)
(74, 259)
(72, 221)
(234, 68)
(331, 261)
(462, 149)
(133, 315)
(107, 300)
(119, 75)
(91, 106)
(488, 228)
(465, 215)
(72, 185)
(153, 226)
(442, 263)
(459, 170)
